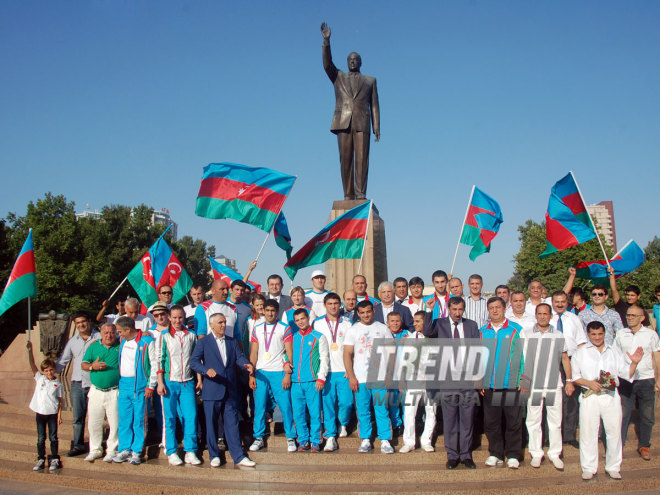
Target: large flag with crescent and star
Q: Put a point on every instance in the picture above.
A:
(567, 222)
(343, 238)
(159, 266)
(225, 273)
(482, 223)
(253, 195)
(22, 281)
(628, 259)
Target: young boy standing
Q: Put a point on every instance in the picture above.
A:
(47, 404)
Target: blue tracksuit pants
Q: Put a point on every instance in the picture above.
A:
(394, 408)
(304, 397)
(271, 382)
(180, 396)
(337, 402)
(363, 400)
(132, 407)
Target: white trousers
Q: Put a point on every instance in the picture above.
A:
(535, 429)
(413, 397)
(592, 409)
(101, 404)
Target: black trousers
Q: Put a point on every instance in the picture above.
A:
(50, 421)
(498, 405)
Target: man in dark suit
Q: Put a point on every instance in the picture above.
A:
(458, 406)
(275, 284)
(356, 108)
(216, 358)
(386, 295)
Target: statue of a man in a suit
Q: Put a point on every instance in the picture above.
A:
(356, 109)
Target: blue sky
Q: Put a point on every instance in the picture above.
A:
(124, 102)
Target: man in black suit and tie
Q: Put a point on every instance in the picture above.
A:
(275, 284)
(356, 109)
(458, 406)
(216, 358)
(387, 306)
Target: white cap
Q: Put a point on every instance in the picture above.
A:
(317, 273)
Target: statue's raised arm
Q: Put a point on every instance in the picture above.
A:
(329, 67)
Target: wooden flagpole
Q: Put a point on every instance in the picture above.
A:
(467, 210)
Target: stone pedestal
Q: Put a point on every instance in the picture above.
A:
(339, 273)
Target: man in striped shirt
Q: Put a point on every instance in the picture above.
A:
(475, 304)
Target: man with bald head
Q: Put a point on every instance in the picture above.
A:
(360, 288)
(348, 310)
(217, 304)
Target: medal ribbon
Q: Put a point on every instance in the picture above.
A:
(333, 333)
(267, 340)
(444, 308)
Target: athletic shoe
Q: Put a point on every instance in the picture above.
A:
(135, 459)
(343, 432)
(215, 462)
(245, 462)
(109, 456)
(615, 475)
(586, 475)
(122, 456)
(41, 463)
(536, 462)
(304, 447)
(191, 458)
(290, 445)
(406, 448)
(93, 455)
(365, 446)
(428, 448)
(330, 445)
(315, 447)
(512, 463)
(385, 447)
(258, 444)
(174, 459)
(557, 463)
(55, 464)
(493, 461)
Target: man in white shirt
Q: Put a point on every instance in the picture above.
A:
(517, 311)
(644, 383)
(217, 304)
(415, 302)
(401, 290)
(535, 289)
(358, 345)
(315, 296)
(142, 322)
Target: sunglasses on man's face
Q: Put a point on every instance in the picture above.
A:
(597, 294)
(166, 292)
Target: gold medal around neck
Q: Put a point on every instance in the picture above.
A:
(334, 346)
(266, 356)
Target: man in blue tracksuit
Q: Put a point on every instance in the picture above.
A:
(311, 356)
(134, 386)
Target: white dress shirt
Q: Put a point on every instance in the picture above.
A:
(648, 340)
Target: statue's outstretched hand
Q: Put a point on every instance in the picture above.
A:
(325, 31)
(377, 136)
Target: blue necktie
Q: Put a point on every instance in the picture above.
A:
(560, 325)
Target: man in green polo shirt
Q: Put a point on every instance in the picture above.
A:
(102, 361)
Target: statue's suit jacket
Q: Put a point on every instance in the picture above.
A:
(353, 110)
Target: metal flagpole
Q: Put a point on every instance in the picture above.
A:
(467, 210)
(593, 225)
(29, 327)
(366, 233)
(121, 283)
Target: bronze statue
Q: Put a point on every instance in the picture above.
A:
(54, 330)
(356, 109)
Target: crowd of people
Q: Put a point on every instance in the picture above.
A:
(220, 367)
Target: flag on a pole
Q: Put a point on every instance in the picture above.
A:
(225, 273)
(628, 259)
(482, 223)
(567, 222)
(159, 266)
(343, 238)
(22, 281)
(253, 195)
(282, 236)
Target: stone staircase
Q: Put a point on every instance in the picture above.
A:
(343, 471)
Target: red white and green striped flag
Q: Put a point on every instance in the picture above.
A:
(22, 281)
(343, 238)
(253, 195)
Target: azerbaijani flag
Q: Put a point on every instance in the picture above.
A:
(482, 223)
(253, 195)
(629, 258)
(567, 222)
(159, 266)
(282, 236)
(22, 281)
(225, 273)
(343, 238)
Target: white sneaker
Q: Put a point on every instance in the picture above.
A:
(41, 464)
(122, 456)
(93, 455)
(615, 475)
(330, 445)
(109, 456)
(365, 446)
(290, 445)
(493, 461)
(428, 448)
(215, 462)
(536, 462)
(258, 444)
(191, 458)
(55, 464)
(135, 459)
(557, 463)
(245, 462)
(586, 475)
(174, 459)
(343, 432)
(406, 448)
(512, 463)
(385, 447)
